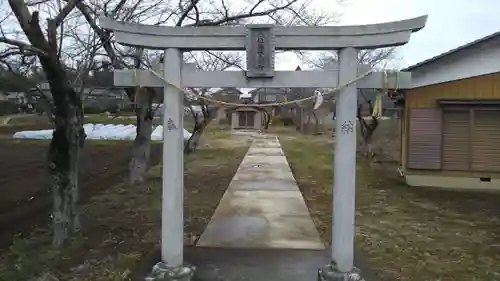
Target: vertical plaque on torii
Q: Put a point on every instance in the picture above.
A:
(260, 48)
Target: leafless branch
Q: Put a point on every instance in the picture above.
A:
(65, 12)
(250, 14)
(23, 46)
(118, 7)
(187, 10)
(104, 36)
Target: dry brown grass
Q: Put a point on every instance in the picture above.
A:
(30, 119)
(122, 224)
(406, 233)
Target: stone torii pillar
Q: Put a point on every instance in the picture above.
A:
(260, 43)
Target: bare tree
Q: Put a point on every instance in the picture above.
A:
(301, 113)
(46, 42)
(17, 75)
(366, 130)
(181, 13)
(208, 61)
(379, 58)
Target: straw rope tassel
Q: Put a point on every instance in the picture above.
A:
(137, 87)
(377, 107)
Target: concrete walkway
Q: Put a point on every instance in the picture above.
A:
(4, 120)
(262, 207)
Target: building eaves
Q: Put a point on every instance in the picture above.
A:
(452, 51)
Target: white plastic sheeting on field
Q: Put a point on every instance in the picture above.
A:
(100, 132)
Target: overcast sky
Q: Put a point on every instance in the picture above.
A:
(451, 23)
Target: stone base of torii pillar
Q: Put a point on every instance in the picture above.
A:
(332, 273)
(162, 272)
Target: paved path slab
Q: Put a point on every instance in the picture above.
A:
(215, 264)
(232, 264)
(262, 207)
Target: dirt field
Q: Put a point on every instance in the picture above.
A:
(25, 183)
(120, 223)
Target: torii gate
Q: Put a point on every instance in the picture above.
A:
(260, 42)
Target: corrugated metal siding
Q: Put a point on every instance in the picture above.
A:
(456, 141)
(425, 139)
(486, 141)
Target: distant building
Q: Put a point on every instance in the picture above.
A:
(270, 95)
(98, 92)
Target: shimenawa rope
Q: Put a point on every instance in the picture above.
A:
(223, 103)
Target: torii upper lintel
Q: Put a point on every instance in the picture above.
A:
(286, 37)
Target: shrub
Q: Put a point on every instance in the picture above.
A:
(286, 121)
(112, 109)
(130, 110)
(223, 121)
(276, 121)
(8, 107)
(93, 110)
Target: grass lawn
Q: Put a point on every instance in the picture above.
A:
(28, 119)
(43, 122)
(405, 233)
(122, 224)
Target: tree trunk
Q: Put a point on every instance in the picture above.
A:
(302, 120)
(367, 131)
(296, 117)
(64, 154)
(307, 126)
(267, 120)
(316, 122)
(192, 143)
(141, 150)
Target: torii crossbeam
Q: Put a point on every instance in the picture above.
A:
(260, 43)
